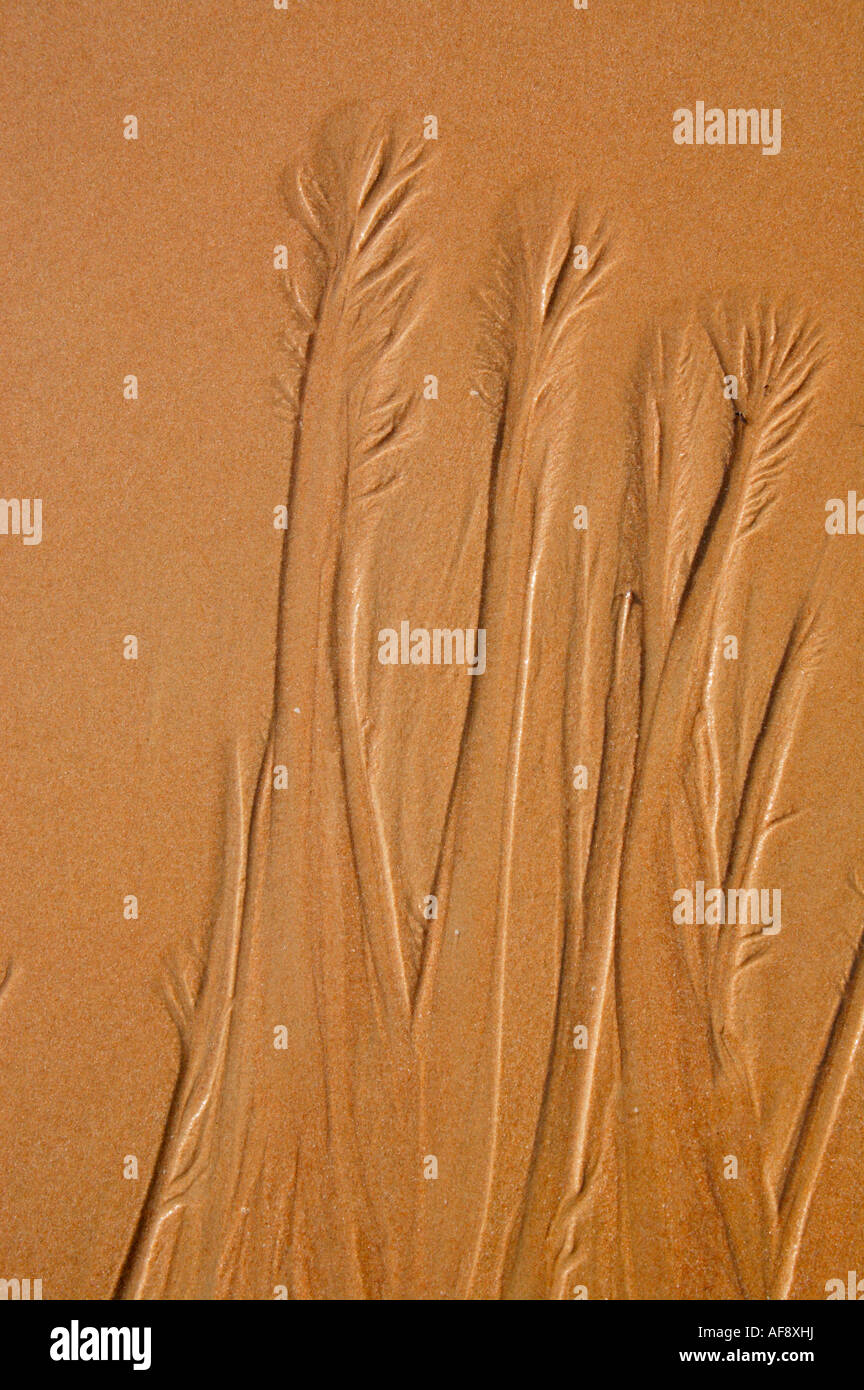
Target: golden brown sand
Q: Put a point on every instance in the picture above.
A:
(327, 976)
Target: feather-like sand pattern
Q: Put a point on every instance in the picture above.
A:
(720, 817)
(452, 1039)
(199, 994)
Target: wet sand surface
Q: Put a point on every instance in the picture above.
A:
(432, 750)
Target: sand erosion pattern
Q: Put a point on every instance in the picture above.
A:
(303, 1168)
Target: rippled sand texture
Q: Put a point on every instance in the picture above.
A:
(303, 1161)
(406, 1013)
